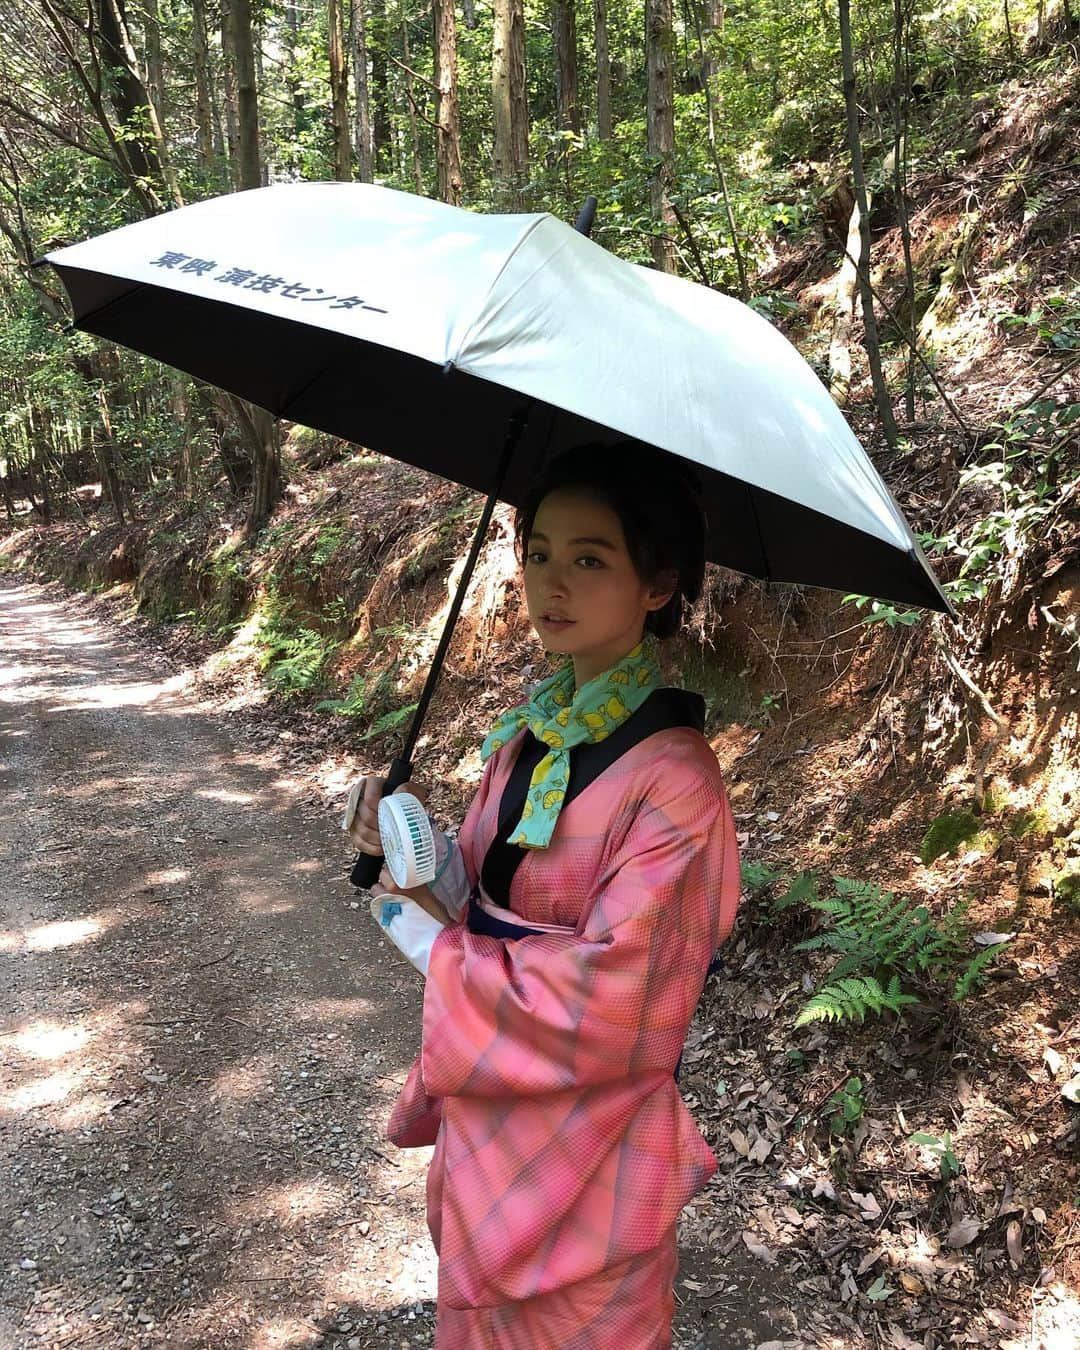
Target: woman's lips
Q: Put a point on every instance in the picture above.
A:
(556, 623)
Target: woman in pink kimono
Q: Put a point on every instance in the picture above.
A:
(567, 939)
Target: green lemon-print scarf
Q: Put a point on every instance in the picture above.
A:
(562, 719)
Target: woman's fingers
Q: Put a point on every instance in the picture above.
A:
(364, 830)
(416, 790)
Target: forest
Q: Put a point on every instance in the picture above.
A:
(890, 1071)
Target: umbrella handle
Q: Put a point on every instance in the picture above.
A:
(367, 866)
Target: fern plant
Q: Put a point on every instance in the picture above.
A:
(850, 999)
(883, 944)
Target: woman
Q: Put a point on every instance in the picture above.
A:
(568, 937)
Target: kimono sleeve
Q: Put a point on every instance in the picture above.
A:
(550, 1012)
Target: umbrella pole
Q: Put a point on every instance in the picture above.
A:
(367, 866)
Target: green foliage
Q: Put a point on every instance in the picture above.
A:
(370, 697)
(293, 657)
(883, 944)
(947, 833)
(851, 998)
(1067, 890)
(847, 1105)
(882, 612)
(942, 1150)
(756, 876)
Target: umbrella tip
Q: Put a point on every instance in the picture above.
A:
(585, 217)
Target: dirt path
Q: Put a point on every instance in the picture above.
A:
(202, 1032)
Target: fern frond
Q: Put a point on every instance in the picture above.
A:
(851, 998)
(975, 972)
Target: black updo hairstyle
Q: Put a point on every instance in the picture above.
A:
(657, 498)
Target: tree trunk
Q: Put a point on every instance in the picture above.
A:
(873, 350)
(126, 91)
(365, 167)
(155, 73)
(603, 72)
(204, 90)
(564, 36)
(297, 105)
(448, 135)
(714, 23)
(381, 130)
(232, 121)
(133, 86)
(259, 428)
(660, 112)
(840, 343)
(339, 93)
(106, 457)
(414, 129)
(248, 164)
(510, 161)
(900, 101)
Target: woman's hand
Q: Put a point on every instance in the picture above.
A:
(423, 895)
(364, 830)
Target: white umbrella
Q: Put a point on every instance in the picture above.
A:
(477, 346)
(415, 328)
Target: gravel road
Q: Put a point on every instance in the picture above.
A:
(201, 1038)
(202, 1033)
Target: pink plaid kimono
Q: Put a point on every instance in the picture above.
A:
(564, 1152)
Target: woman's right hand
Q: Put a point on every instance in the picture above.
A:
(364, 830)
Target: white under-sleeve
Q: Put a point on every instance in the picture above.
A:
(409, 927)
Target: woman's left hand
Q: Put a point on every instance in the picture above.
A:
(423, 895)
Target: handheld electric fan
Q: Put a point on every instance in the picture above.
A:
(407, 841)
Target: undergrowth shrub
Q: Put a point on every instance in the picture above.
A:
(370, 695)
(889, 953)
(292, 656)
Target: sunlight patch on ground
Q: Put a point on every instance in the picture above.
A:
(168, 876)
(64, 933)
(222, 795)
(46, 1039)
(137, 695)
(242, 1082)
(1055, 1321)
(50, 1090)
(290, 1203)
(345, 1010)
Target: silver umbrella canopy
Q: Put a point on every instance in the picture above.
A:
(476, 347)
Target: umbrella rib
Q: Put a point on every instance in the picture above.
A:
(535, 225)
(93, 314)
(766, 571)
(295, 397)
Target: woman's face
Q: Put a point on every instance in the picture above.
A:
(578, 569)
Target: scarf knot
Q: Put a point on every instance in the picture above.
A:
(561, 718)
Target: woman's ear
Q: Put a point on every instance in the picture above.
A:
(662, 589)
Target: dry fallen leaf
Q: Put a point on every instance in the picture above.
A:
(912, 1283)
(739, 1143)
(758, 1249)
(1001, 1320)
(963, 1231)
(761, 1150)
(1014, 1241)
(868, 1205)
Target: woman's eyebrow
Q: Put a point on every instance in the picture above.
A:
(583, 539)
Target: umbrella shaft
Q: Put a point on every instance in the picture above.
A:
(513, 436)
